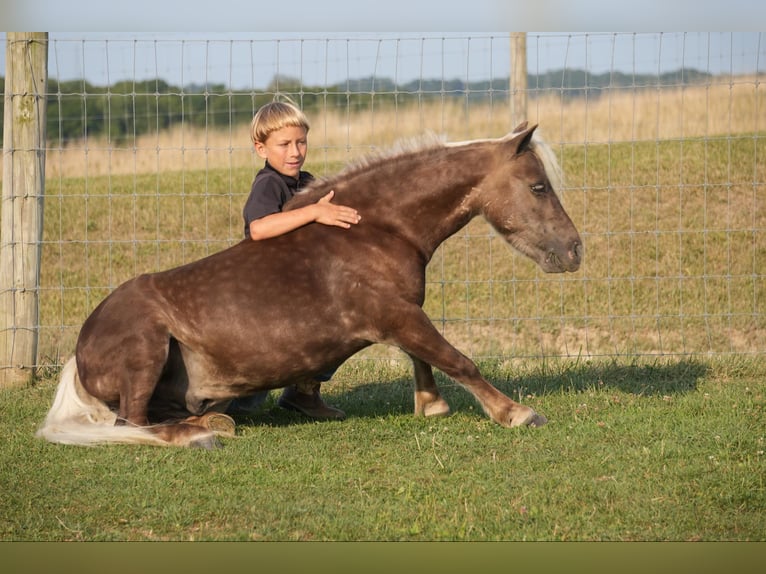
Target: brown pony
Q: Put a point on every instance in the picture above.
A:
(161, 357)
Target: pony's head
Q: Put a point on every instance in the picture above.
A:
(518, 198)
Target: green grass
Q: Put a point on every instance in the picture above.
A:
(670, 450)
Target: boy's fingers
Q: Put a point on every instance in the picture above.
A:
(328, 197)
(350, 214)
(340, 215)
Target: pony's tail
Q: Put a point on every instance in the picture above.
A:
(79, 418)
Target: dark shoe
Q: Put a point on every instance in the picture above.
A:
(309, 403)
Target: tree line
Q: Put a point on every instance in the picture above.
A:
(78, 109)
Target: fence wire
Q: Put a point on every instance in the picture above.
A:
(660, 136)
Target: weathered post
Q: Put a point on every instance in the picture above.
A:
(518, 87)
(21, 230)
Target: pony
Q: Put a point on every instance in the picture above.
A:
(162, 356)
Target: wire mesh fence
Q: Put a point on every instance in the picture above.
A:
(660, 137)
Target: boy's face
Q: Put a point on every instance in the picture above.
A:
(285, 150)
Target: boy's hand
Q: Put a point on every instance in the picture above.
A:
(328, 213)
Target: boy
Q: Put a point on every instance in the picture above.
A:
(279, 133)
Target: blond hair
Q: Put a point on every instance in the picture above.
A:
(275, 116)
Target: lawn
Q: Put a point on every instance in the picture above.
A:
(660, 450)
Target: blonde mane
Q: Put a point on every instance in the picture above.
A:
(541, 149)
(551, 164)
(433, 141)
(404, 146)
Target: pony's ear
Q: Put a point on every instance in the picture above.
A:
(521, 127)
(517, 141)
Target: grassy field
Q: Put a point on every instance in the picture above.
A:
(634, 450)
(673, 233)
(665, 186)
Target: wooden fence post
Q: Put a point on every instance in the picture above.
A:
(518, 85)
(21, 230)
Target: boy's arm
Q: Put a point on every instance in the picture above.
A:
(323, 211)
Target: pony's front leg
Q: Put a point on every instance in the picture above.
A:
(428, 401)
(415, 334)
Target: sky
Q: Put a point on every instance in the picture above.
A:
(402, 15)
(132, 41)
(250, 60)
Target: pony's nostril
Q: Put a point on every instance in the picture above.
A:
(576, 252)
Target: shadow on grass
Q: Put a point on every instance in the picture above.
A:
(395, 396)
(668, 378)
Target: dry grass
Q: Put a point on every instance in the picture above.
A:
(720, 108)
(725, 108)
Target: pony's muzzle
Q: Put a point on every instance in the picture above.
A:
(559, 263)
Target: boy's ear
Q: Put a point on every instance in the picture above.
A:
(260, 149)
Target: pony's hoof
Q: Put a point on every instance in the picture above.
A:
(220, 424)
(438, 408)
(527, 418)
(537, 420)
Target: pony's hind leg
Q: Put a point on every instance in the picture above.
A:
(196, 431)
(187, 435)
(193, 431)
(428, 401)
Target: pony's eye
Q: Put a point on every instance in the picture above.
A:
(537, 188)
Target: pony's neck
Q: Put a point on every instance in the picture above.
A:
(426, 197)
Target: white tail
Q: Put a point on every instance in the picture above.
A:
(79, 418)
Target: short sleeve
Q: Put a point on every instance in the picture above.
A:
(267, 195)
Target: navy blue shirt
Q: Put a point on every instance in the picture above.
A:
(269, 193)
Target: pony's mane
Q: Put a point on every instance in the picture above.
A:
(547, 156)
(405, 146)
(541, 149)
(431, 141)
